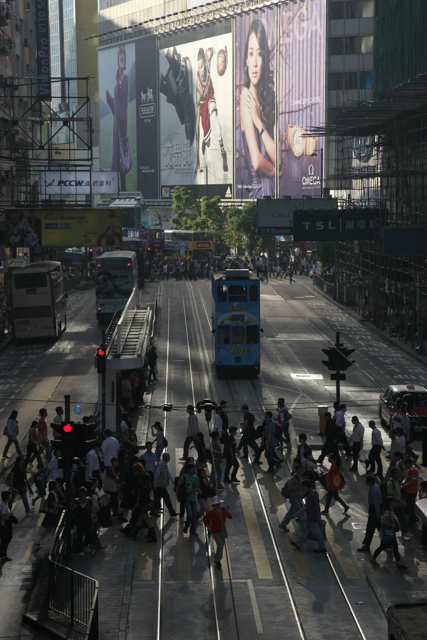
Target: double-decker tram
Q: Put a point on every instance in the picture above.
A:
(39, 301)
(116, 276)
(236, 323)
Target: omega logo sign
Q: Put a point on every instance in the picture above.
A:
(311, 180)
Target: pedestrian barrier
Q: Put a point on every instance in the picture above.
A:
(71, 593)
(327, 287)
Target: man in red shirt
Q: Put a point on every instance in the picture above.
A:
(214, 520)
(410, 487)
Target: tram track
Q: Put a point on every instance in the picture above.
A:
(250, 384)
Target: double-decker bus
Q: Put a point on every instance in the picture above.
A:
(39, 301)
(236, 318)
(116, 276)
(191, 244)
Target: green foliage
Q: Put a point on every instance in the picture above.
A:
(242, 229)
(325, 253)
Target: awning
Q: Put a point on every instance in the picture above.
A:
(126, 203)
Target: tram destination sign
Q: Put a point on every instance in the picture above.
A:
(275, 215)
(345, 224)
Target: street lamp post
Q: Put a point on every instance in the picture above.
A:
(314, 155)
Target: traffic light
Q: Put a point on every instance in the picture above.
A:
(338, 358)
(332, 361)
(101, 360)
(67, 442)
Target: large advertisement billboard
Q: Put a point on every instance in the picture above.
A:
(256, 131)
(117, 113)
(196, 115)
(229, 108)
(301, 97)
(81, 228)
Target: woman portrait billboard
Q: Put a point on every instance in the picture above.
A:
(117, 112)
(256, 129)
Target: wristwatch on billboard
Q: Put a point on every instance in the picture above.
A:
(300, 141)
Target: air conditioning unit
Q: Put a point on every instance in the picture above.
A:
(25, 42)
(17, 27)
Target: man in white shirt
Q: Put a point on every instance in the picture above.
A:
(340, 424)
(357, 441)
(110, 449)
(54, 471)
(162, 478)
(94, 463)
(375, 452)
(405, 424)
(192, 429)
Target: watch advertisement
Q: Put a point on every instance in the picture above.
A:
(301, 99)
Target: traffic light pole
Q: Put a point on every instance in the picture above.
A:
(103, 391)
(338, 382)
(67, 477)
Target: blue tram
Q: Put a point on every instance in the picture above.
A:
(235, 322)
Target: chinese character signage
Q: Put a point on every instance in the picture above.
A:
(61, 183)
(147, 117)
(344, 224)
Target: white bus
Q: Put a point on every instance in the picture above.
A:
(116, 276)
(39, 301)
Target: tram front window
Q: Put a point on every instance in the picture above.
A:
(252, 334)
(253, 293)
(238, 293)
(223, 335)
(237, 335)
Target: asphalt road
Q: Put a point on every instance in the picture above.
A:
(297, 324)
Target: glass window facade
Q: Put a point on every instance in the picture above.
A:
(62, 27)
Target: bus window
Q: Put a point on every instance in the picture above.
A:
(223, 335)
(237, 335)
(237, 293)
(253, 293)
(222, 293)
(252, 334)
(24, 280)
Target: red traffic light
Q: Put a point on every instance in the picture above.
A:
(67, 428)
(148, 248)
(101, 352)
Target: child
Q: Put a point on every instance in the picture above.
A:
(40, 482)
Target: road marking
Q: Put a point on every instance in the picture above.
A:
(258, 548)
(259, 629)
(31, 544)
(341, 552)
(299, 559)
(183, 544)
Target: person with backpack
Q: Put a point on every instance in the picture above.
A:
(284, 418)
(388, 535)
(334, 483)
(271, 443)
(190, 482)
(293, 490)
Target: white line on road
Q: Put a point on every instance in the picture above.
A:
(259, 629)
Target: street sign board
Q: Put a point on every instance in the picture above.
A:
(275, 215)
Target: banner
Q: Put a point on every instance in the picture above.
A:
(301, 96)
(255, 104)
(147, 118)
(117, 113)
(78, 183)
(41, 8)
(81, 227)
(157, 218)
(196, 114)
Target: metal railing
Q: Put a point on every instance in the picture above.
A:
(125, 321)
(71, 593)
(327, 287)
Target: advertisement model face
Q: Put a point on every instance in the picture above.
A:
(255, 105)
(196, 117)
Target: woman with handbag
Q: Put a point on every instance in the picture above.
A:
(121, 159)
(389, 526)
(334, 483)
(111, 485)
(214, 521)
(52, 508)
(84, 519)
(6, 520)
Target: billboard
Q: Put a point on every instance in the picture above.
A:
(78, 182)
(343, 224)
(41, 8)
(157, 218)
(23, 228)
(256, 129)
(301, 96)
(81, 227)
(196, 115)
(404, 241)
(276, 215)
(147, 118)
(117, 113)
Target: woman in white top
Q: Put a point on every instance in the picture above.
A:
(157, 433)
(12, 430)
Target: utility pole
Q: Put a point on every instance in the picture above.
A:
(338, 381)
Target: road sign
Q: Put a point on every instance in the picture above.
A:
(334, 376)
